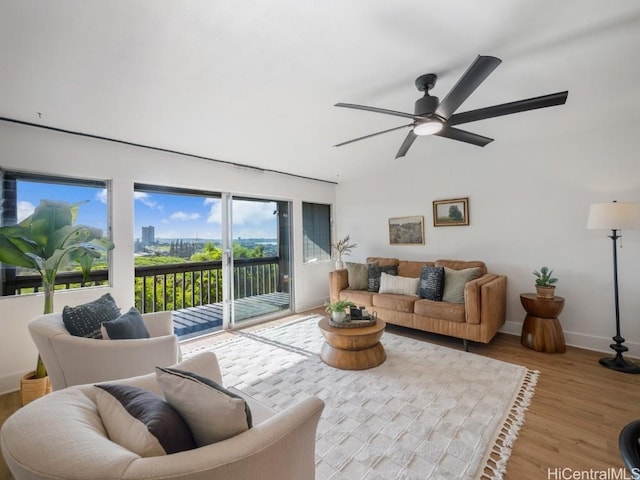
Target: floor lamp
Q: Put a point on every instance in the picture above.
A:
(616, 216)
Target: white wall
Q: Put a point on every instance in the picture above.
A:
(36, 150)
(528, 208)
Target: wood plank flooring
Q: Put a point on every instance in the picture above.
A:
(573, 422)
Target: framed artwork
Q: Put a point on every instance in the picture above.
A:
(449, 213)
(406, 230)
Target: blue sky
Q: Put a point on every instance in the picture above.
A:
(173, 216)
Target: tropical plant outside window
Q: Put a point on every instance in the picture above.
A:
(22, 193)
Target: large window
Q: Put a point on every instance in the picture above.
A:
(21, 193)
(316, 226)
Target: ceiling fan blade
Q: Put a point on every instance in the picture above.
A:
(379, 110)
(373, 135)
(408, 141)
(477, 73)
(550, 100)
(464, 136)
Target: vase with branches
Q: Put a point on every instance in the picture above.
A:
(340, 248)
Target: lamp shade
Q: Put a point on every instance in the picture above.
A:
(614, 216)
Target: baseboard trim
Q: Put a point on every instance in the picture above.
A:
(580, 340)
(10, 383)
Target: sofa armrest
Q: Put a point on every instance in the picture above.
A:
(485, 300)
(88, 360)
(338, 281)
(282, 447)
(158, 323)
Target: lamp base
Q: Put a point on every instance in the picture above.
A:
(620, 364)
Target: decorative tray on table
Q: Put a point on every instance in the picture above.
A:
(349, 322)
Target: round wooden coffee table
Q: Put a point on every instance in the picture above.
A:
(356, 348)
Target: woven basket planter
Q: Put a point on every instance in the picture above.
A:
(33, 388)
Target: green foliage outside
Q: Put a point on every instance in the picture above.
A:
(181, 290)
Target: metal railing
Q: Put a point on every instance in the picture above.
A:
(174, 286)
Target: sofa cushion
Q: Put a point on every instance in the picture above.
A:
(454, 282)
(431, 283)
(374, 273)
(358, 275)
(212, 412)
(359, 297)
(142, 421)
(127, 326)
(85, 320)
(383, 261)
(461, 264)
(399, 303)
(453, 312)
(397, 284)
(407, 268)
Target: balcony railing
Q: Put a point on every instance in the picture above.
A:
(174, 286)
(184, 285)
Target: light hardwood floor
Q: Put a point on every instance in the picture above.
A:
(574, 419)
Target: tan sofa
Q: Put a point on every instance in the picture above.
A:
(477, 319)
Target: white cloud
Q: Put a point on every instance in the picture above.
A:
(145, 199)
(24, 210)
(102, 196)
(245, 212)
(184, 216)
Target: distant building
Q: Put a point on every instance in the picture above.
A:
(148, 235)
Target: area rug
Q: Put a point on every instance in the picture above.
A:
(428, 412)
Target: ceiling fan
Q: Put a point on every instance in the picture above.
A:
(432, 117)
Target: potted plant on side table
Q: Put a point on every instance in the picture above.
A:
(545, 283)
(46, 241)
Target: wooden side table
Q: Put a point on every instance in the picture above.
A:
(541, 330)
(352, 348)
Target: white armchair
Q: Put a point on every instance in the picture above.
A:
(71, 360)
(61, 436)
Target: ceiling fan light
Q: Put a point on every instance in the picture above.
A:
(427, 128)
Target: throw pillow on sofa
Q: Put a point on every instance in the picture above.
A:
(212, 412)
(374, 272)
(398, 285)
(127, 326)
(142, 421)
(85, 320)
(431, 283)
(358, 275)
(454, 282)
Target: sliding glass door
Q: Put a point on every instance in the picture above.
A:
(257, 251)
(215, 260)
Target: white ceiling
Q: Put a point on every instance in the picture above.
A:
(254, 82)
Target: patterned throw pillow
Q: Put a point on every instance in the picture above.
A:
(375, 271)
(431, 283)
(212, 412)
(142, 421)
(126, 326)
(85, 320)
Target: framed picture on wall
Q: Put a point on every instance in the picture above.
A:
(406, 230)
(452, 212)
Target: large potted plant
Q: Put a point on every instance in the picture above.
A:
(340, 248)
(47, 241)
